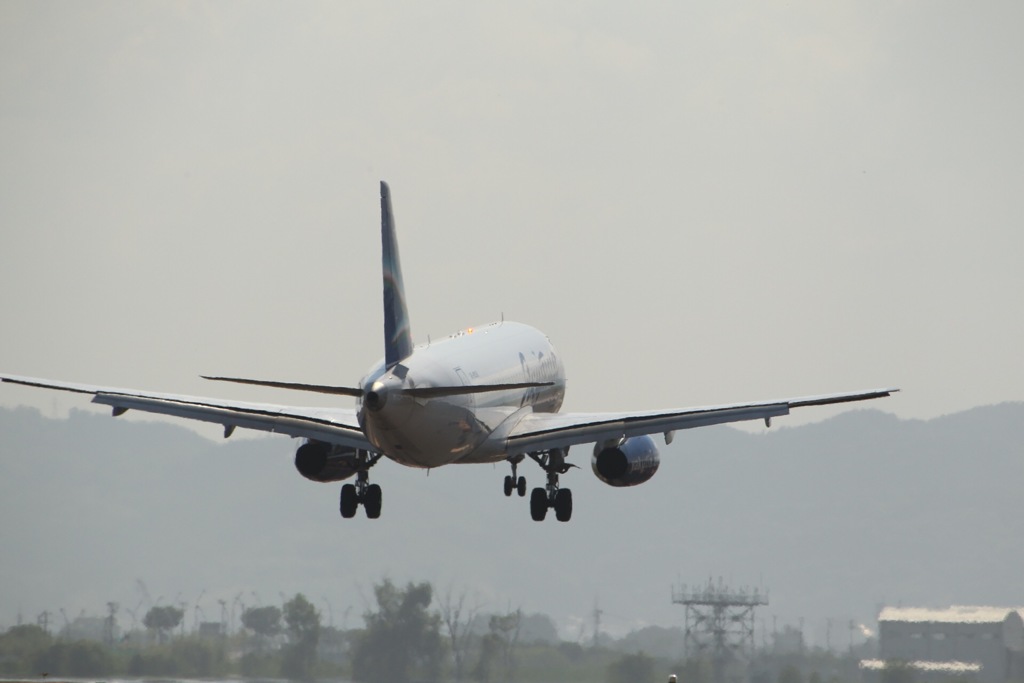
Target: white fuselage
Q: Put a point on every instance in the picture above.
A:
(462, 428)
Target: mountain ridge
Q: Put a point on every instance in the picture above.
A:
(832, 517)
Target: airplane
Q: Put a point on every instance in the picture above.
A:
(485, 394)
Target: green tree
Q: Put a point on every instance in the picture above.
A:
(163, 620)
(152, 663)
(299, 657)
(790, 674)
(634, 668)
(402, 638)
(459, 630)
(195, 658)
(498, 647)
(695, 670)
(20, 646)
(81, 658)
(490, 652)
(505, 628)
(265, 622)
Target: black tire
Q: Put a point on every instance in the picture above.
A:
(508, 485)
(521, 487)
(563, 505)
(349, 501)
(373, 500)
(539, 505)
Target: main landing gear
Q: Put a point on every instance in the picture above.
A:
(362, 492)
(541, 499)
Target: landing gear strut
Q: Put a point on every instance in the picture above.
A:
(514, 482)
(552, 462)
(362, 492)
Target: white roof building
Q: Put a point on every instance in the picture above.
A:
(987, 642)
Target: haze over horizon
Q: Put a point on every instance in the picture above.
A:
(833, 519)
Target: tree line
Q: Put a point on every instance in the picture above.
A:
(29, 650)
(409, 634)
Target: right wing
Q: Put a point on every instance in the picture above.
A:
(543, 431)
(333, 425)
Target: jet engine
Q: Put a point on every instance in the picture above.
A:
(627, 463)
(323, 462)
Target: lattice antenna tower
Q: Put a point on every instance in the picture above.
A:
(719, 619)
(110, 623)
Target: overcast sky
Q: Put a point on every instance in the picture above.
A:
(698, 203)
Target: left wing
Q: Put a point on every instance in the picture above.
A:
(543, 431)
(333, 425)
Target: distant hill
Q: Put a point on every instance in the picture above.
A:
(833, 518)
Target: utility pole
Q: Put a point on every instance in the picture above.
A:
(330, 610)
(223, 617)
(109, 622)
(237, 602)
(196, 612)
(344, 618)
(43, 620)
(144, 596)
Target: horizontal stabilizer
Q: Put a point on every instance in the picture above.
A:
(316, 388)
(414, 392)
(437, 392)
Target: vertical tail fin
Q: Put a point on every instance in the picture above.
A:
(397, 337)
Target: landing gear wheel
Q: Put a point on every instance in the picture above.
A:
(362, 492)
(372, 501)
(563, 505)
(349, 501)
(539, 504)
(554, 464)
(515, 482)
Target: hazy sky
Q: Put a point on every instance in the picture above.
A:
(699, 204)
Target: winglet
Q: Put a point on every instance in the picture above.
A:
(397, 337)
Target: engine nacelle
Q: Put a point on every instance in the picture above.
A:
(323, 462)
(629, 463)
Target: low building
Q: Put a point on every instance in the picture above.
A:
(984, 643)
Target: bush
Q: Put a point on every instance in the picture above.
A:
(20, 647)
(81, 659)
(634, 668)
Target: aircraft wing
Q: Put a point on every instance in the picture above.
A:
(333, 425)
(542, 431)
